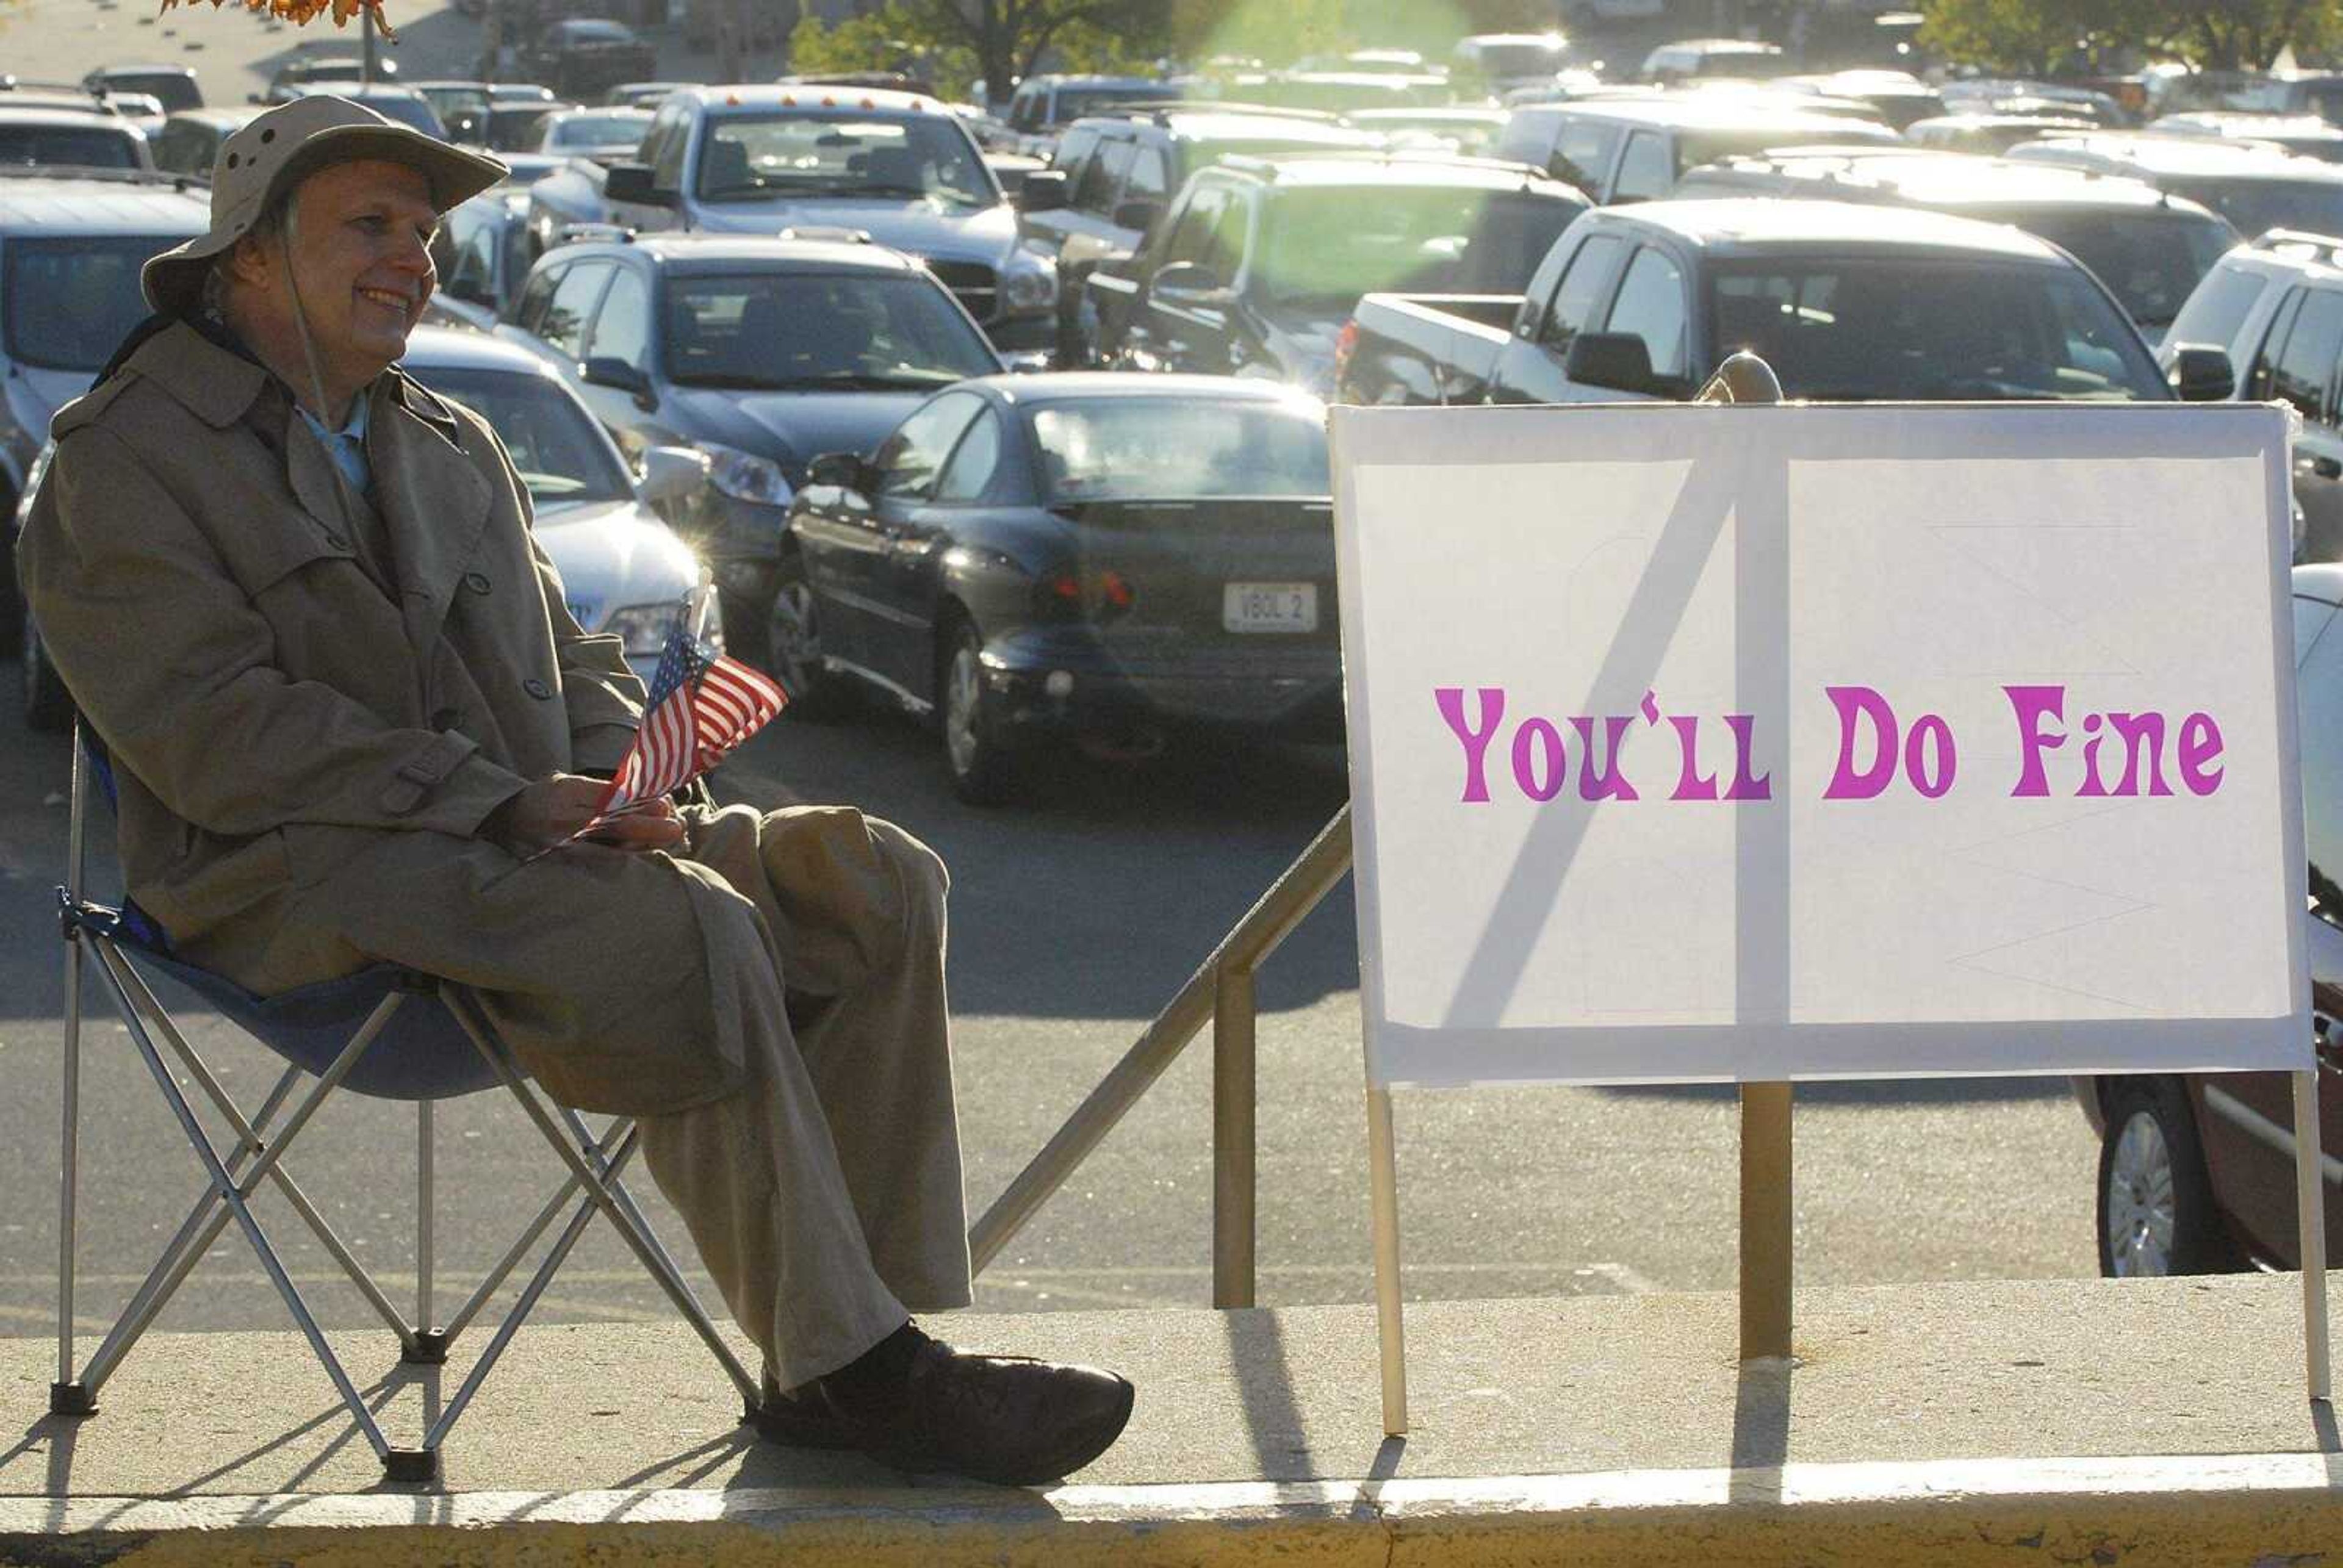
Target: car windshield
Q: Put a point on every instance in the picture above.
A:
(1931, 330)
(765, 157)
(1074, 103)
(2150, 261)
(68, 304)
(1329, 245)
(859, 331)
(175, 91)
(84, 146)
(1166, 448)
(1524, 59)
(2256, 206)
(515, 127)
(601, 132)
(552, 440)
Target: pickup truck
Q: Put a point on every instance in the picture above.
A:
(1846, 301)
(815, 160)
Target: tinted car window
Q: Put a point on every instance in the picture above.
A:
(2150, 261)
(1651, 306)
(1073, 151)
(184, 149)
(1191, 240)
(1931, 330)
(93, 147)
(874, 330)
(572, 306)
(623, 329)
(2305, 363)
(1163, 449)
(68, 304)
(969, 473)
(1645, 170)
(561, 454)
(1102, 175)
(176, 91)
(1526, 136)
(529, 314)
(1579, 292)
(1150, 180)
(2257, 383)
(1583, 154)
(2219, 307)
(2253, 207)
(908, 460)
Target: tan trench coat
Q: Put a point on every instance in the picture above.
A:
(307, 751)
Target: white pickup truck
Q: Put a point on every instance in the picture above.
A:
(823, 162)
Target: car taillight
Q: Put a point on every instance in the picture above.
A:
(1346, 343)
(1103, 594)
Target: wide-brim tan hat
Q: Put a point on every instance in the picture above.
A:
(276, 151)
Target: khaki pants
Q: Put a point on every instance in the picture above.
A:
(771, 1005)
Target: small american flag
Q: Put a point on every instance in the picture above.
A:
(702, 705)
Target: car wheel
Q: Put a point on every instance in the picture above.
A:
(2155, 1210)
(982, 769)
(47, 706)
(793, 645)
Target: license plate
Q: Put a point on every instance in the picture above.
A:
(1270, 606)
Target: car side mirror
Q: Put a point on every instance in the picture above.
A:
(671, 474)
(1138, 214)
(632, 183)
(1189, 283)
(842, 469)
(1044, 190)
(603, 370)
(1619, 360)
(2202, 375)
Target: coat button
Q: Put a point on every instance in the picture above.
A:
(477, 581)
(335, 541)
(537, 688)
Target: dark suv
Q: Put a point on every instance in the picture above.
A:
(1258, 266)
(1112, 175)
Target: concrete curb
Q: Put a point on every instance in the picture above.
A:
(2252, 1509)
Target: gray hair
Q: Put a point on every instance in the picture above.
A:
(272, 223)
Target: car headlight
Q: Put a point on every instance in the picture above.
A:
(1029, 284)
(646, 627)
(745, 476)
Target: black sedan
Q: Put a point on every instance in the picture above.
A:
(1104, 559)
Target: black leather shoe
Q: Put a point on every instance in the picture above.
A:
(1013, 1421)
(800, 1418)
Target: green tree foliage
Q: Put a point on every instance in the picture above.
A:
(2036, 37)
(997, 41)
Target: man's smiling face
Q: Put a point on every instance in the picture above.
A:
(357, 245)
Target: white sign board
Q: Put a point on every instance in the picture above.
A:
(1696, 743)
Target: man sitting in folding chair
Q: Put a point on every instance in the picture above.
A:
(296, 596)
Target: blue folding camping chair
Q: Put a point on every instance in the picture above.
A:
(385, 1033)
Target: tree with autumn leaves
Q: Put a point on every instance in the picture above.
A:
(2038, 36)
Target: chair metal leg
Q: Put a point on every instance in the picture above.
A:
(229, 1193)
(423, 1215)
(554, 1258)
(646, 1251)
(327, 1237)
(69, 1173)
(186, 1247)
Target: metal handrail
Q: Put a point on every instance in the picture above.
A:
(1222, 991)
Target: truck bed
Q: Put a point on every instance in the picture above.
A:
(1428, 349)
